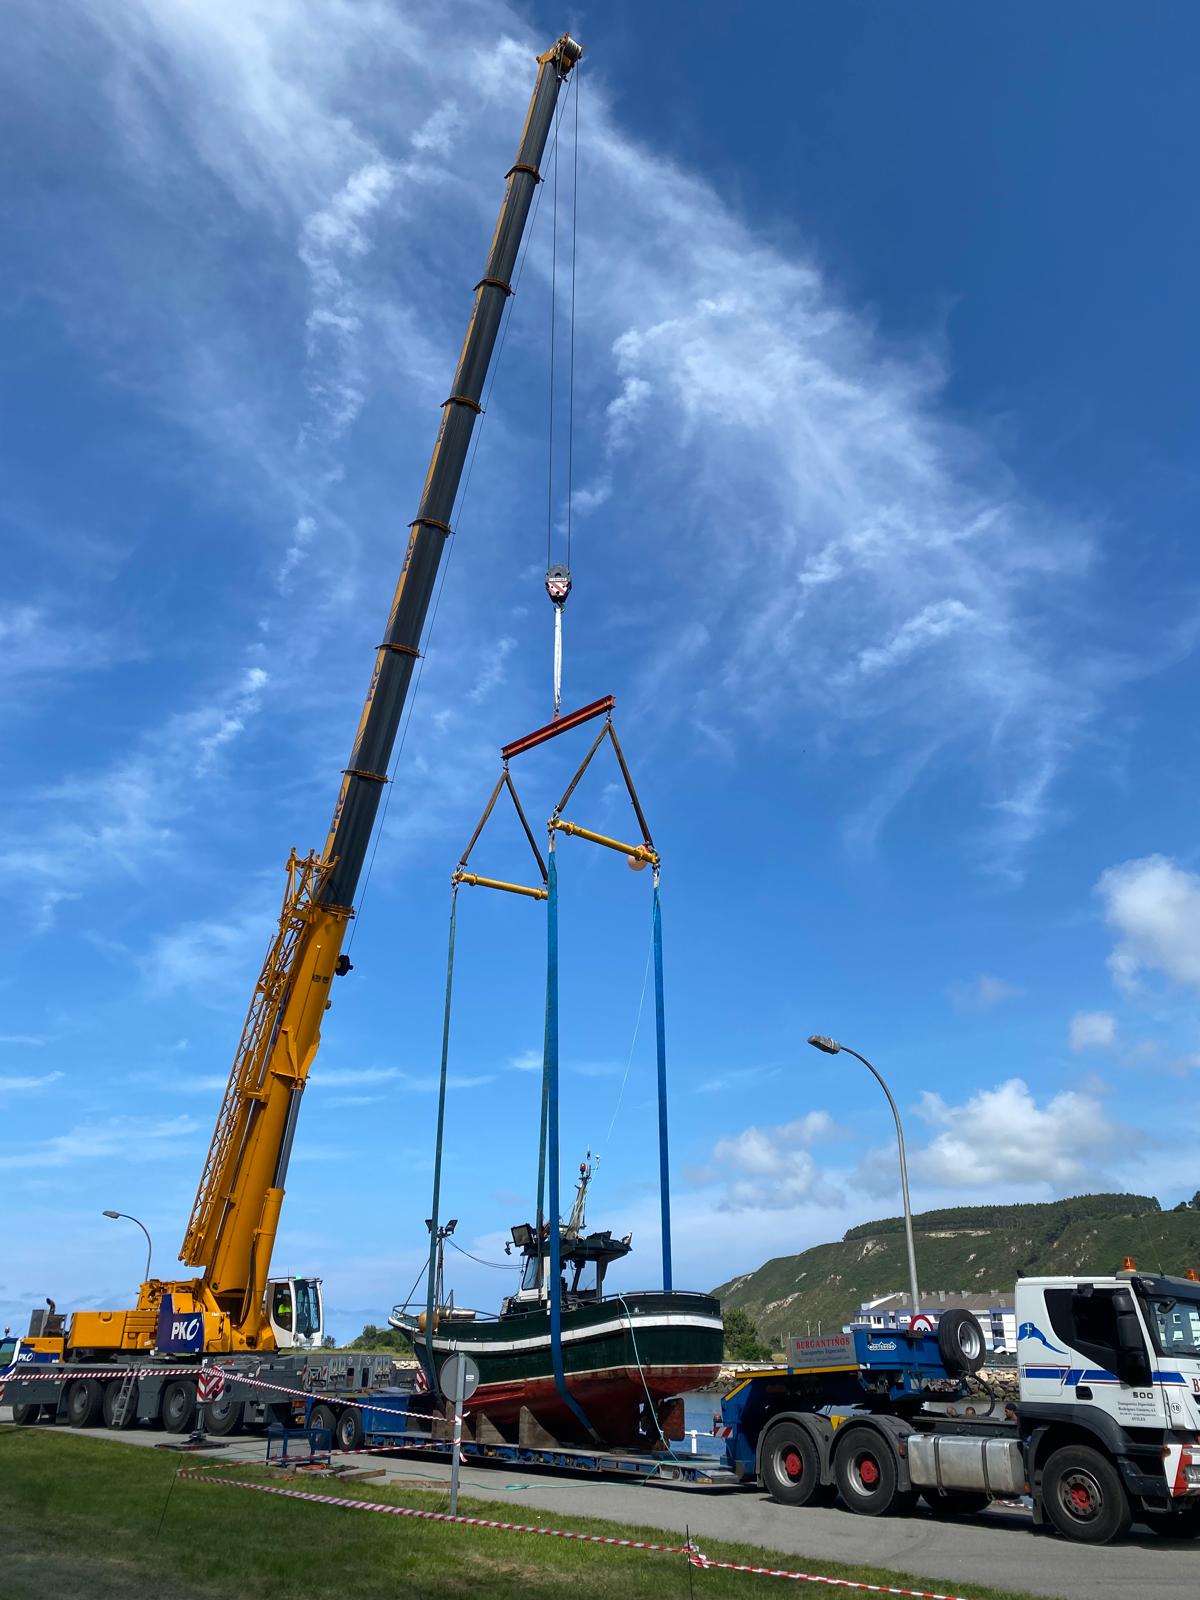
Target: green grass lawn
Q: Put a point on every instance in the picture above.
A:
(91, 1519)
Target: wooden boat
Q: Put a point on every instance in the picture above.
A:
(626, 1357)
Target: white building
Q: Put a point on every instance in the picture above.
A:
(995, 1311)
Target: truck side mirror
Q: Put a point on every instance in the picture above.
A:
(1133, 1363)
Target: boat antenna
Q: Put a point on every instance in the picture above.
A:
(574, 1223)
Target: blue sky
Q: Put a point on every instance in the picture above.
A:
(884, 538)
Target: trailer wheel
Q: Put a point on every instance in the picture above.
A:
(348, 1435)
(85, 1403)
(178, 1406)
(224, 1416)
(26, 1415)
(791, 1467)
(960, 1342)
(868, 1475)
(323, 1416)
(1083, 1496)
(111, 1393)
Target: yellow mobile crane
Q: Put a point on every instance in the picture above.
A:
(230, 1306)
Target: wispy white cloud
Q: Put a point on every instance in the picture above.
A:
(12, 1082)
(117, 820)
(132, 1139)
(1092, 1030)
(983, 992)
(771, 1168)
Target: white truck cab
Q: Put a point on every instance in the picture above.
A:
(1110, 1381)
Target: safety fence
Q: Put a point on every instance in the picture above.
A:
(690, 1551)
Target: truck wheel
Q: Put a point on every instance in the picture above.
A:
(224, 1416)
(349, 1432)
(322, 1416)
(1083, 1496)
(178, 1407)
(960, 1342)
(868, 1476)
(791, 1467)
(25, 1416)
(112, 1392)
(85, 1403)
(956, 1502)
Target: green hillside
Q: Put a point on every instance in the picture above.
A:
(976, 1249)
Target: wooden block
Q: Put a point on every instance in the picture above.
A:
(531, 1435)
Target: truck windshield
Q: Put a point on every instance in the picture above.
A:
(308, 1307)
(7, 1351)
(1176, 1325)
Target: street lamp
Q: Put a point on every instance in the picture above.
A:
(820, 1041)
(142, 1226)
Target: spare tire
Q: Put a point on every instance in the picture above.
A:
(960, 1342)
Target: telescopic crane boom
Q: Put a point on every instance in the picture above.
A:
(231, 1232)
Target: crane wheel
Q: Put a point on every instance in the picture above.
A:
(85, 1403)
(179, 1406)
(25, 1416)
(224, 1416)
(112, 1393)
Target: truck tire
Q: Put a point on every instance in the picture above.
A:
(791, 1467)
(111, 1394)
(85, 1403)
(178, 1410)
(323, 1416)
(26, 1415)
(348, 1434)
(1083, 1496)
(224, 1416)
(961, 1344)
(868, 1475)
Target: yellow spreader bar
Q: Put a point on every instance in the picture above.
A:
(495, 883)
(639, 852)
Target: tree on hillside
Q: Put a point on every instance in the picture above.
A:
(373, 1338)
(742, 1342)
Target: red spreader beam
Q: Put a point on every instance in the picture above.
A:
(560, 725)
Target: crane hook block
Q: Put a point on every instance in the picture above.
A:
(558, 584)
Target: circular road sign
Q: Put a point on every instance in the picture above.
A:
(448, 1377)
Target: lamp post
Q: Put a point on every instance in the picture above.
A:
(831, 1047)
(142, 1226)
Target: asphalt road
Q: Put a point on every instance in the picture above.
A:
(999, 1548)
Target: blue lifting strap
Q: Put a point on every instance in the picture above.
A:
(660, 1027)
(551, 1076)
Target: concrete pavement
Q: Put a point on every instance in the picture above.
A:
(998, 1548)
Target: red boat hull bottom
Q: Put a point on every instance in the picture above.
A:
(614, 1400)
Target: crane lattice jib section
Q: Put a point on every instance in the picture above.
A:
(305, 880)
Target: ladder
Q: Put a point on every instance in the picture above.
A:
(125, 1395)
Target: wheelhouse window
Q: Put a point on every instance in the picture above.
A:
(529, 1278)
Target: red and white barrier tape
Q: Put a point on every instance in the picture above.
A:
(690, 1550)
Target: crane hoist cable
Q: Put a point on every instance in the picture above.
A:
(558, 574)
